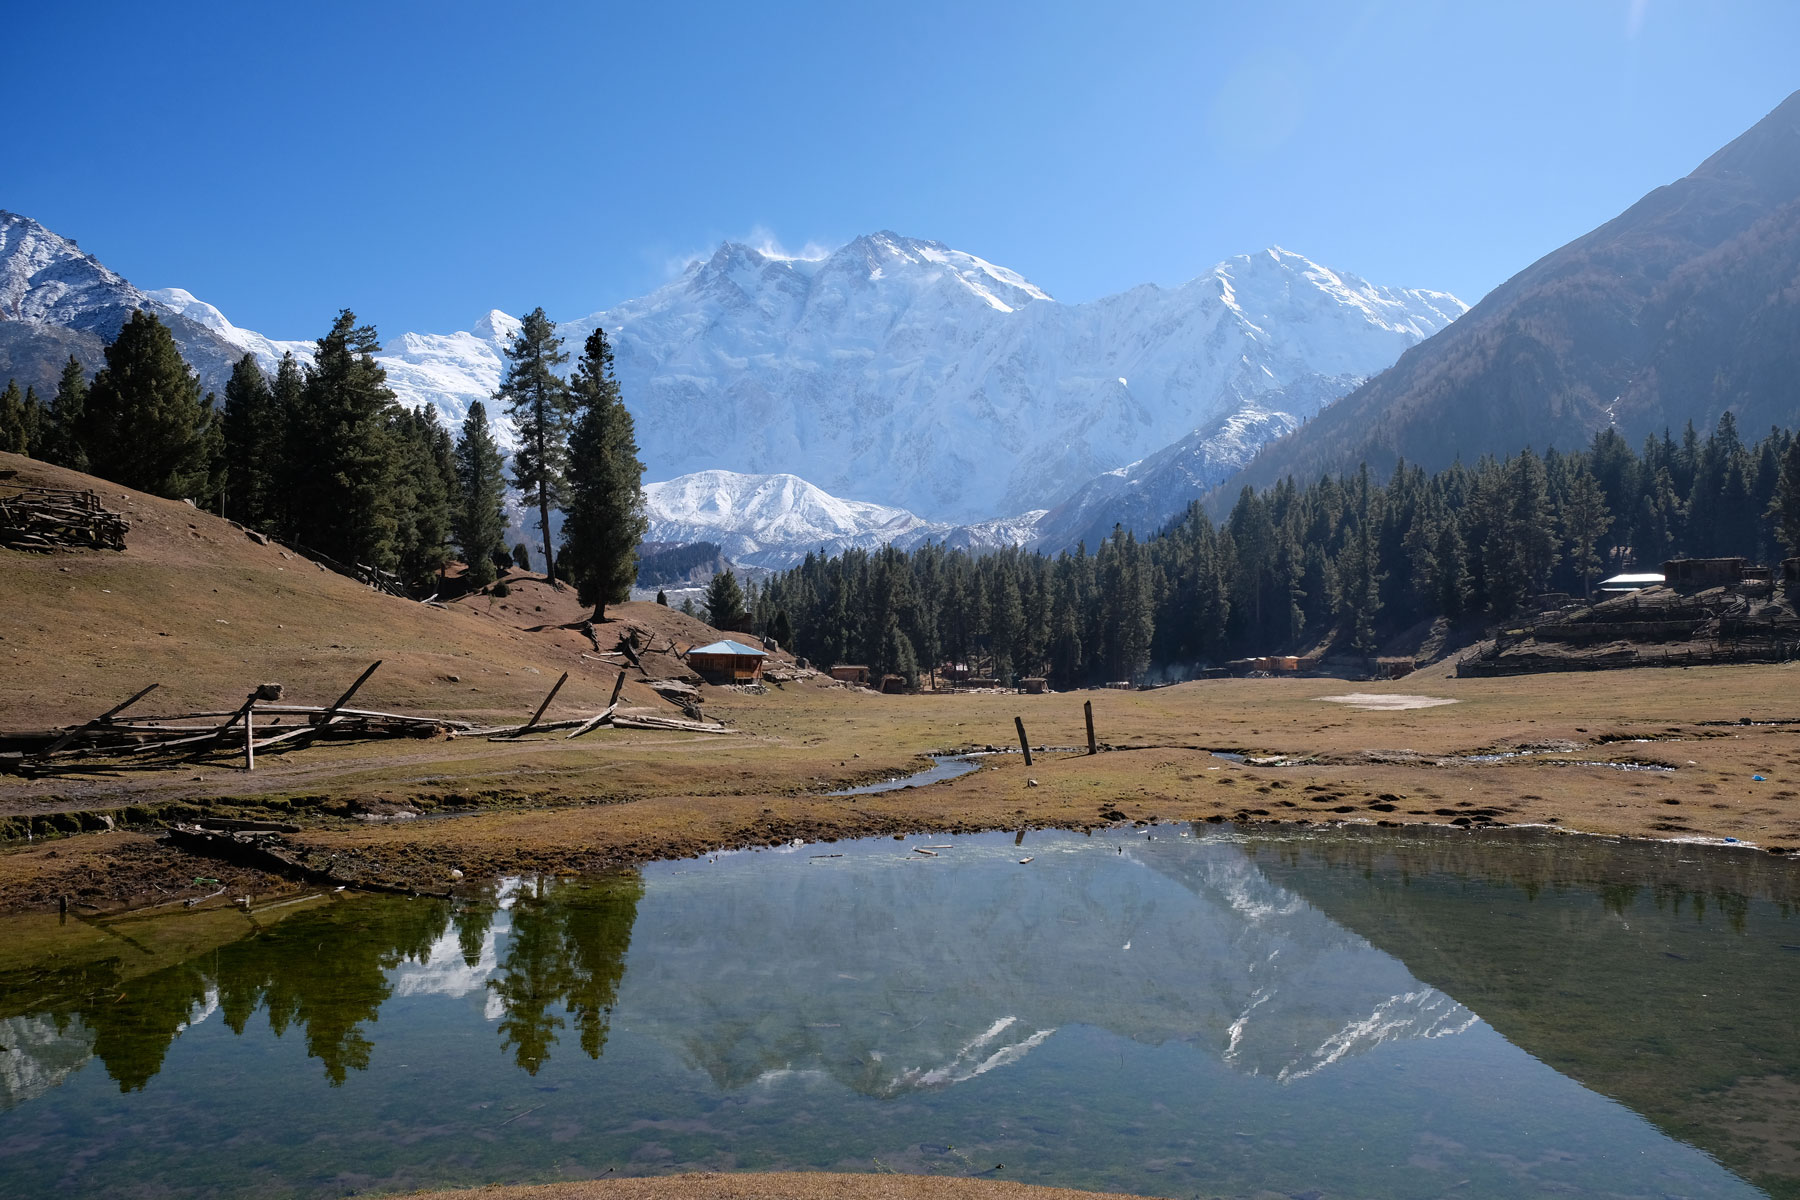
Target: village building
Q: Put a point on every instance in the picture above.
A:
(1618, 585)
(1704, 572)
(1034, 685)
(845, 673)
(727, 661)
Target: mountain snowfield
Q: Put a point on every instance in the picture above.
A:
(951, 397)
(911, 375)
(776, 520)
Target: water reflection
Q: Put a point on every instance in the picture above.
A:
(1171, 1012)
(1661, 976)
(325, 973)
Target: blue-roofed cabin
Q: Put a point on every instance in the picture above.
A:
(727, 661)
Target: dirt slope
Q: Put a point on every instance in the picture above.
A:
(197, 605)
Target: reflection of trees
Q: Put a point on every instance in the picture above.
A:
(323, 971)
(567, 945)
(1660, 976)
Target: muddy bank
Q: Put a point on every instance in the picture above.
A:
(774, 1186)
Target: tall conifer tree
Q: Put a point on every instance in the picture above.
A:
(13, 437)
(144, 424)
(604, 518)
(480, 519)
(62, 444)
(538, 402)
(252, 441)
(342, 449)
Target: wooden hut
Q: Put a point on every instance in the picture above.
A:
(893, 685)
(1703, 572)
(1034, 685)
(845, 673)
(727, 662)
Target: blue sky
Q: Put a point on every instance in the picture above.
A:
(422, 163)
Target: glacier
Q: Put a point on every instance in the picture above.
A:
(950, 396)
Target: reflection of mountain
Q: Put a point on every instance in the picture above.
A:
(1665, 981)
(814, 971)
(38, 1053)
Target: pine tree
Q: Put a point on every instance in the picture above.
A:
(604, 518)
(480, 517)
(724, 600)
(1784, 510)
(13, 439)
(252, 445)
(1585, 521)
(341, 446)
(291, 459)
(538, 402)
(425, 496)
(781, 629)
(62, 443)
(662, 597)
(35, 418)
(521, 556)
(144, 425)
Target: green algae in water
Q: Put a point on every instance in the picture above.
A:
(1193, 1012)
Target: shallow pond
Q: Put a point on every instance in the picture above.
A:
(1175, 1012)
(943, 766)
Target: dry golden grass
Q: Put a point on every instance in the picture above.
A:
(196, 604)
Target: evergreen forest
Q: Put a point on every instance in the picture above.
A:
(1345, 563)
(323, 457)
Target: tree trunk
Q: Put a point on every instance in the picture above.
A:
(544, 525)
(600, 613)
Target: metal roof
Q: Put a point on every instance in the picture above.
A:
(1634, 579)
(728, 647)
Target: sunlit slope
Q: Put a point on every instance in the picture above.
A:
(195, 604)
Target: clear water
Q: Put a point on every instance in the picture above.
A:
(1183, 1012)
(943, 766)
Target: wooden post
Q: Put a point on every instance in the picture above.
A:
(250, 734)
(618, 686)
(330, 714)
(1087, 707)
(545, 704)
(1024, 743)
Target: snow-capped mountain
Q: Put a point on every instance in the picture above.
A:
(919, 379)
(915, 376)
(776, 520)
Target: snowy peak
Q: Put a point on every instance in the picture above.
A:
(45, 278)
(776, 520)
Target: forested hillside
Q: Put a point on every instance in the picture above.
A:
(1347, 562)
(1681, 308)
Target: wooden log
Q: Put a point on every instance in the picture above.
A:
(557, 687)
(1024, 745)
(101, 719)
(330, 714)
(250, 735)
(618, 686)
(1087, 708)
(509, 733)
(593, 723)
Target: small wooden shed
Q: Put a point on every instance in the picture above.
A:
(727, 662)
(1703, 572)
(851, 674)
(893, 685)
(1034, 685)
